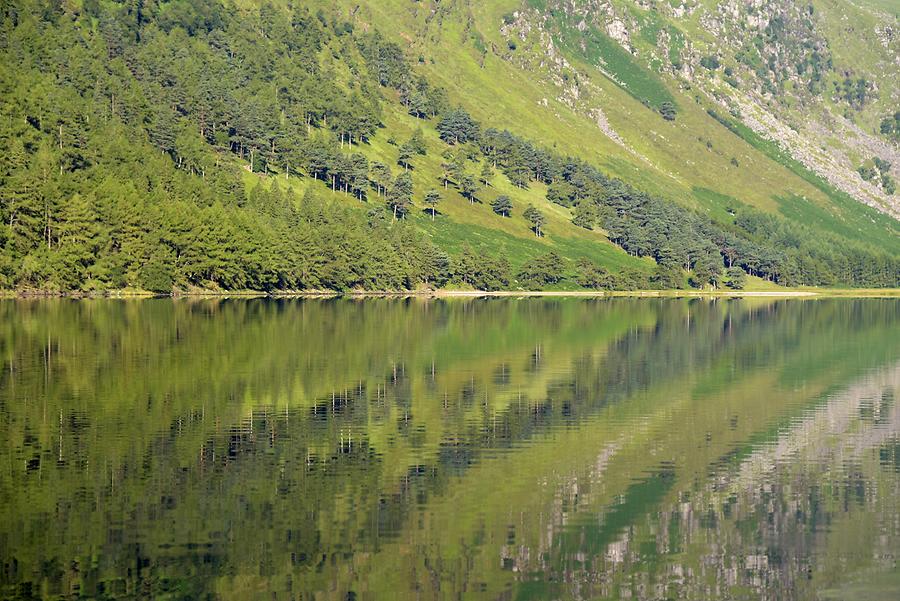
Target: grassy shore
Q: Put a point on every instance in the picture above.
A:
(447, 293)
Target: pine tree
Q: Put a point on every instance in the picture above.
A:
(457, 127)
(380, 175)
(432, 199)
(502, 205)
(469, 188)
(735, 278)
(487, 173)
(585, 215)
(399, 197)
(536, 219)
(416, 143)
(405, 154)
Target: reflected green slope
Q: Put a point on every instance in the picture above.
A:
(649, 450)
(237, 448)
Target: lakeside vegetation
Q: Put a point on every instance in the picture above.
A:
(195, 146)
(451, 292)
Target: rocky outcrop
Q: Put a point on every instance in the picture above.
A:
(773, 59)
(539, 56)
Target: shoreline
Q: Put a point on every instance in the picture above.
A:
(437, 294)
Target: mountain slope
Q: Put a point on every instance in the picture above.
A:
(249, 145)
(568, 82)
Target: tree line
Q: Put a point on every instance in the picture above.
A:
(127, 126)
(124, 123)
(678, 238)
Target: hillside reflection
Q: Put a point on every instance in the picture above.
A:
(560, 448)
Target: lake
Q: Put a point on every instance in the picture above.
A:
(542, 448)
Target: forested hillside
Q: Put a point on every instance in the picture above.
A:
(203, 144)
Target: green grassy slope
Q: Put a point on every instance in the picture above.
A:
(460, 46)
(459, 222)
(299, 82)
(888, 6)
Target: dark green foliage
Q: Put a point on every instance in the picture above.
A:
(156, 275)
(890, 126)
(481, 271)
(468, 187)
(457, 127)
(380, 177)
(596, 277)
(542, 271)
(561, 192)
(518, 159)
(883, 175)
(502, 205)
(416, 143)
(879, 174)
(487, 174)
(854, 92)
(667, 110)
(399, 195)
(386, 61)
(535, 218)
(710, 62)
(631, 280)
(735, 278)
(667, 277)
(706, 273)
(431, 200)
(585, 215)
(404, 155)
(867, 173)
(124, 146)
(591, 275)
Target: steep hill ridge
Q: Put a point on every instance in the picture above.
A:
(570, 51)
(393, 145)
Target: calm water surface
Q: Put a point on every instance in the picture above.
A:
(484, 449)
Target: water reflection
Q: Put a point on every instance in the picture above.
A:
(539, 448)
